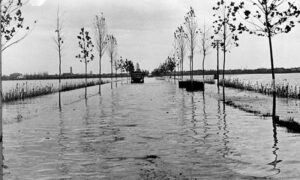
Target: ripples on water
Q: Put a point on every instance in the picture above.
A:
(148, 131)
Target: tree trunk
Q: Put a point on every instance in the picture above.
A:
(182, 65)
(85, 92)
(100, 74)
(1, 128)
(59, 73)
(218, 79)
(224, 60)
(203, 67)
(192, 60)
(270, 46)
(190, 67)
(224, 52)
(116, 78)
(272, 60)
(59, 59)
(59, 81)
(111, 74)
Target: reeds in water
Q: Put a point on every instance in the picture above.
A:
(282, 90)
(72, 86)
(23, 90)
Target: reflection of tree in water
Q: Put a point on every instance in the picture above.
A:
(183, 109)
(193, 110)
(113, 104)
(87, 132)
(205, 124)
(194, 129)
(225, 131)
(194, 120)
(63, 167)
(275, 148)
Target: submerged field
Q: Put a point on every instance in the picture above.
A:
(152, 130)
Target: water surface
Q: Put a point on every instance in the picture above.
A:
(144, 131)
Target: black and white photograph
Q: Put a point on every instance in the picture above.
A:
(149, 89)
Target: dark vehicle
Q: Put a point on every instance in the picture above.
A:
(137, 77)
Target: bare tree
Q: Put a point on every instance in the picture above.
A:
(180, 46)
(205, 45)
(59, 41)
(100, 35)
(216, 45)
(191, 34)
(225, 27)
(112, 52)
(86, 48)
(268, 18)
(12, 31)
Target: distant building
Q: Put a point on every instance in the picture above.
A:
(71, 70)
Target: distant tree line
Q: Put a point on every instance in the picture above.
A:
(165, 68)
(161, 72)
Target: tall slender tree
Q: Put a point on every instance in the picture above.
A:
(225, 27)
(216, 45)
(86, 52)
(268, 18)
(59, 41)
(112, 53)
(180, 46)
(205, 45)
(12, 31)
(100, 39)
(191, 34)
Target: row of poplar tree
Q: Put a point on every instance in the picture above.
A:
(264, 18)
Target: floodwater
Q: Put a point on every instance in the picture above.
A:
(143, 131)
(292, 79)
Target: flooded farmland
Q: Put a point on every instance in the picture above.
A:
(149, 131)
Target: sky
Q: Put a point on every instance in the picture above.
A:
(144, 31)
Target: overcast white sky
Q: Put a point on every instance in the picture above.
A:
(144, 30)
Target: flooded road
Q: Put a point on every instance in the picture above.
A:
(144, 131)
